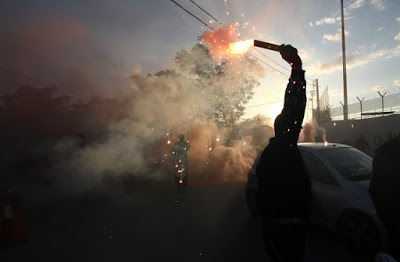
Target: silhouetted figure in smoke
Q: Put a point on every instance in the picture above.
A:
(384, 190)
(361, 143)
(180, 152)
(284, 193)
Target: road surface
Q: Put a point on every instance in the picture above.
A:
(153, 222)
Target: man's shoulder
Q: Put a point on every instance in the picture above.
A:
(391, 146)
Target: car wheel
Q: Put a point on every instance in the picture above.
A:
(359, 232)
(251, 195)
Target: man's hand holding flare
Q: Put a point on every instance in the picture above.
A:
(290, 55)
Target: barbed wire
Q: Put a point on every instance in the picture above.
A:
(371, 103)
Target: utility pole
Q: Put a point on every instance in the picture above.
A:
(312, 106)
(317, 92)
(345, 107)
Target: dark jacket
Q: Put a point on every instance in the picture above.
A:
(384, 187)
(284, 190)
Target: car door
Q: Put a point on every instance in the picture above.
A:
(325, 188)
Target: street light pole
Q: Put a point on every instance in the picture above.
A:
(345, 107)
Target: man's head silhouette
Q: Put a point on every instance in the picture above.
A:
(280, 125)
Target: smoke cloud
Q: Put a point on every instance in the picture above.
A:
(163, 107)
(312, 132)
(131, 136)
(95, 132)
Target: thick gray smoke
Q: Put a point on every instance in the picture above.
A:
(126, 136)
(163, 106)
(312, 132)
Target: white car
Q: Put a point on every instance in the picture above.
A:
(340, 177)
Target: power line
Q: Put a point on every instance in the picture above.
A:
(207, 12)
(273, 68)
(269, 103)
(192, 15)
(202, 9)
(265, 63)
(274, 102)
(252, 46)
(25, 76)
(239, 38)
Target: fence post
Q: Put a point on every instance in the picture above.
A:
(383, 104)
(361, 100)
(343, 110)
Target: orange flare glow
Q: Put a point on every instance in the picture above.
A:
(223, 42)
(241, 47)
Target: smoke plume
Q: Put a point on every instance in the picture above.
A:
(131, 134)
(162, 106)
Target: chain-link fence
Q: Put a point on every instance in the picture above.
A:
(377, 104)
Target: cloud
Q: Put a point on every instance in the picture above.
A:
(337, 37)
(378, 88)
(357, 58)
(306, 54)
(380, 4)
(336, 16)
(379, 29)
(396, 82)
(326, 20)
(398, 19)
(357, 4)
(394, 52)
(397, 37)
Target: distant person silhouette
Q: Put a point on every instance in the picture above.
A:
(361, 143)
(180, 152)
(384, 190)
(284, 193)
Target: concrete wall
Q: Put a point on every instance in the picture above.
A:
(365, 134)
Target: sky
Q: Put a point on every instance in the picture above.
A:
(98, 42)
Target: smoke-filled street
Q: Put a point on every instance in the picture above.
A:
(107, 106)
(152, 222)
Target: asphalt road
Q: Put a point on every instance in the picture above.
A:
(154, 222)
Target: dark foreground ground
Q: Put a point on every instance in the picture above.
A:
(153, 222)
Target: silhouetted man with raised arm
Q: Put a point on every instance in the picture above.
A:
(284, 193)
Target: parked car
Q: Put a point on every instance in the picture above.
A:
(340, 177)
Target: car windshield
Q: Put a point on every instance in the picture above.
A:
(353, 164)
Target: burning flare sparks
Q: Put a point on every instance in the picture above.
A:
(224, 42)
(241, 47)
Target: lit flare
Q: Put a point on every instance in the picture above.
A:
(241, 47)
